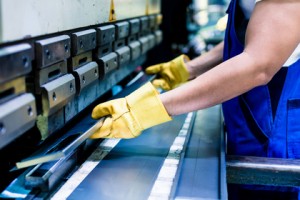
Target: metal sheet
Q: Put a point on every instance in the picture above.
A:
(83, 41)
(22, 110)
(15, 61)
(129, 171)
(200, 175)
(57, 93)
(54, 153)
(52, 50)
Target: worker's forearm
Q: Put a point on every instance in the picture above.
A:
(206, 61)
(217, 85)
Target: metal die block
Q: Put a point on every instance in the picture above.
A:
(105, 34)
(16, 117)
(152, 41)
(85, 75)
(12, 88)
(123, 55)
(158, 36)
(83, 41)
(135, 49)
(107, 63)
(131, 38)
(52, 50)
(134, 25)
(122, 30)
(15, 61)
(144, 44)
(57, 93)
(119, 43)
(50, 73)
(144, 24)
(80, 60)
(104, 50)
(152, 21)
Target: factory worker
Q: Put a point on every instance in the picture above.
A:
(250, 73)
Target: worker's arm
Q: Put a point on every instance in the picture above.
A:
(272, 35)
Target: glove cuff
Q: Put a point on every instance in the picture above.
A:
(180, 64)
(146, 106)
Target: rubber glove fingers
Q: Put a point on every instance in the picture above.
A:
(105, 130)
(154, 69)
(161, 83)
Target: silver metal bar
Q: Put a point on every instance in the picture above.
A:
(60, 154)
(263, 171)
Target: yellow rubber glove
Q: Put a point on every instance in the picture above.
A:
(170, 74)
(127, 117)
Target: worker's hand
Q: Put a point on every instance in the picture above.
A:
(170, 74)
(127, 117)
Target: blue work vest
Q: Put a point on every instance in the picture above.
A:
(264, 121)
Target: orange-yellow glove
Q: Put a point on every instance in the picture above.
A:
(127, 117)
(170, 74)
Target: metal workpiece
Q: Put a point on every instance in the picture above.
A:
(105, 34)
(83, 41)
(46, 176)
(104, 50)
(134, 26)
(158, 36)
(202, 173)
(16, 117)
(135, 50)
(144, 24)
(123, 55)
(144, 44)
(57, 93)
(107, 64)
(15, 61)
(262, 171)
(122, 30)
(152, 41)
(80, 60)
(48, 74)
(52, 50)
(12, 88)
(85, 75)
